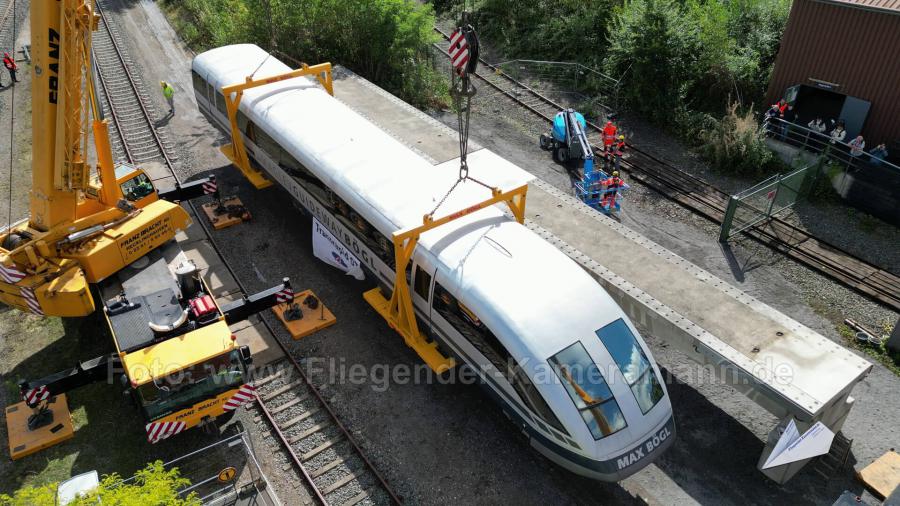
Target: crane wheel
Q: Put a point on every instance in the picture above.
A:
(544, 141)
(563, 155)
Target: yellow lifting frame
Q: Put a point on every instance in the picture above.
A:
(236, 152)
(399, 310)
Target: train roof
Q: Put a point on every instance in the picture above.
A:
(365, 165)
(396, 187)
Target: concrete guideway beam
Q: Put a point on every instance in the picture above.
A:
(780, 364)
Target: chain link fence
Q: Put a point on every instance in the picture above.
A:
(761, 202)
(224, 473)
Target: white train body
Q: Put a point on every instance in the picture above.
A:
(547, 341)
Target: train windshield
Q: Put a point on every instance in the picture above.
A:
(184, 388)
(622, 345)
(584, 382)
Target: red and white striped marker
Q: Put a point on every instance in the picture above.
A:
(243, 397)
(210, 187)
(31, 301)
(459, 51)
(36, 395)
(157, 431)
(10, 274)
(285, 295)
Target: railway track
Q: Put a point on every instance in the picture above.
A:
(710, 202)
(325, 454)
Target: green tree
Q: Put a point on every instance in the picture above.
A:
(385, 41)
(151, 485)
(655, 46)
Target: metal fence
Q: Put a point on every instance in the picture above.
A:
(761, 202)
(224, 473)
(581, 82)
(839, 153)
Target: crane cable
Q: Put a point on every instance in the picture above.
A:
(462, 90)
(12, 124)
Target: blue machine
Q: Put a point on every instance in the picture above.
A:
(568, 141)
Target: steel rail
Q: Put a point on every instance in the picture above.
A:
(296, 366)
(710, 202)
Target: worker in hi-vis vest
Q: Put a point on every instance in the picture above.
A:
(169, 93)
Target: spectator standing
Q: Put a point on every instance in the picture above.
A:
(857, 146)
(818, 133)
(879, 154)
(838, 134)
(772, 127)
(10, 65)
(789, 116)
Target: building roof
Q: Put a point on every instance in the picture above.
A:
(892, 6)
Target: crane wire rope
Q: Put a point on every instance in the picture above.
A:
(12, 123)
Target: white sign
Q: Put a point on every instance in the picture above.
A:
(328, 249)
(792, 447)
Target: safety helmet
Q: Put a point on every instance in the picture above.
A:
(621, 137)
(615, 173)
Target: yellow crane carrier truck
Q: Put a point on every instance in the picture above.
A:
(109, 237)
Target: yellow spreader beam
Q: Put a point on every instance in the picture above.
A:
(398, 311)
(236, 152)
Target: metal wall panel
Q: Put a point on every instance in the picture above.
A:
(855, 48)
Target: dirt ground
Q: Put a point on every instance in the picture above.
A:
(449, 443)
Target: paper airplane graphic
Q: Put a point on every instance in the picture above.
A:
(792, 447)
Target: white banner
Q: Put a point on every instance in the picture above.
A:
(328, 249)
(792, 447)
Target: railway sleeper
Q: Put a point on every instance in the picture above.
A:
(280, 390)
(297, 419)
(340, 483)
(333, 440)
(288, 404)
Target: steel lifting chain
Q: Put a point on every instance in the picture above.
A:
(463, 63)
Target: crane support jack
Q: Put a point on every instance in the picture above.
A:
(236, 152)
(398, 311)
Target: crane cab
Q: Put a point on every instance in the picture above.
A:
(136, 186)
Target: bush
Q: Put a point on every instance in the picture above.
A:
(735, 144)
(385, 41)
(653, 44)
(673, 55)
(152, 485)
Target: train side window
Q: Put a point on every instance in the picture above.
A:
(199, 83)
(220, 104)
(423, 282)
(467, 323)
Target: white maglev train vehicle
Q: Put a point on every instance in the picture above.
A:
(548, 343)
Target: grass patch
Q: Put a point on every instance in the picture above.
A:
(109, 431)
(886, 357)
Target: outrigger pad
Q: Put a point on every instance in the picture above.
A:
(226, 212)
(24, 442)
(882, 477)
(315, 317)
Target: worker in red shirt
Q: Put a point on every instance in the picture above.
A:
(619, 151)
(10, 65)
(609, 139)
(611, 187)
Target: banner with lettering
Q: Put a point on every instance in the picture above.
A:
(328, 249)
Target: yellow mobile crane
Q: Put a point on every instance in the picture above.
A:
(113, 234)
